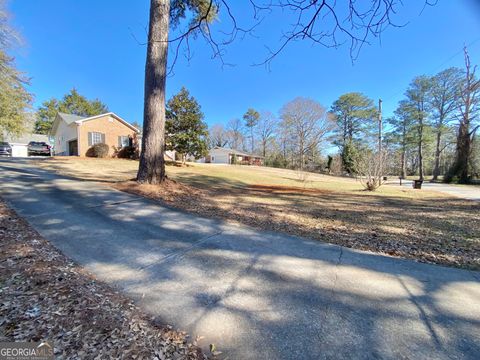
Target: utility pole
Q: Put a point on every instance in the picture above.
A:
(380, 155)
(380, 126)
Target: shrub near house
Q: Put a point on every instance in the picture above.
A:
(75, 135)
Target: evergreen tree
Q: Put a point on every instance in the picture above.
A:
(71, 103)
(445, 94)
(185, 130)
(251, 118)
(166, 16)
(349, 156)
(354, 113)
(418, 101)
(14, 96)
(401, 126)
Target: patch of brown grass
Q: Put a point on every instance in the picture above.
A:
(424, 225)
(442, 231)
(288, 189)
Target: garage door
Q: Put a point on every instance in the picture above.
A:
(19, 150)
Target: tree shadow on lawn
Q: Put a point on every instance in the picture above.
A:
(443, 231)
(60, 166)
(264, 295)
(437, 230)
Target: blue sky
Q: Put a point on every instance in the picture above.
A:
(93, 46)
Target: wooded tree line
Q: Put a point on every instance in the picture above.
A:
(434, 131)
(292, 139)
(435, 127)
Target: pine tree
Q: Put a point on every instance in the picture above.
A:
(185, 130)
(251, 118)
(71, 103)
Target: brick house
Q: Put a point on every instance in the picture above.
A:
(74, 135)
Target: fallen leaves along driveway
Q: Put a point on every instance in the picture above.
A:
(44, 296)
(440, 231)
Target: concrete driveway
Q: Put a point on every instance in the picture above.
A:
(256, 295)
(468, 192)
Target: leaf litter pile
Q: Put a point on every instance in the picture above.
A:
(45, 296)
(439, 230)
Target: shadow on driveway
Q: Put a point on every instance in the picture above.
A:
(256, 295)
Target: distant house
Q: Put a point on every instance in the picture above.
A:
(75, 135)
(170, 155)
(221, 155)
(19, 143)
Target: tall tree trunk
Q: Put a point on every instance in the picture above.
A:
(469, 94)
(251, 134)
(302, 153)
(460, 167)
(404, 151)
(420, 161)
(420, 150)
(436, 169)
(404, 163)
(152, 162)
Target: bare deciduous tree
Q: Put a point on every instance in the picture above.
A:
(235, 133)
(266, 128)
(218, 136)
(308, 123)
(370, 168)
(469, 115)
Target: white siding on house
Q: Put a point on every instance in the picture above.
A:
(216, 156)
(219, 157)
(19, 150)
(63, 135)
(170, 155)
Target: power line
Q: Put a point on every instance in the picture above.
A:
(457, 53)
(442, 64)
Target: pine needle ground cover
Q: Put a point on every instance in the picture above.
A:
(46, 297)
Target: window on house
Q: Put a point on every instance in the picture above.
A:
(213, 158)
(95, 138)
(123, 141)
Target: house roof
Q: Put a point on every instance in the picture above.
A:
(71, 119)
(236, 152)
(111, 114)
